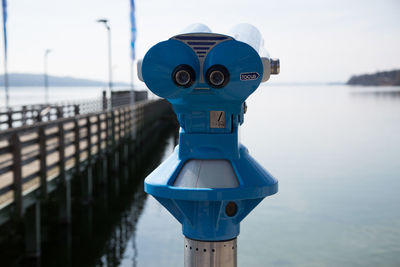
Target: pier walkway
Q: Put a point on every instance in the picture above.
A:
(40, 158)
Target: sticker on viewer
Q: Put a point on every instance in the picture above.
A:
(249, 76)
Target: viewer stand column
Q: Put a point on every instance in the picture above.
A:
(213, 253)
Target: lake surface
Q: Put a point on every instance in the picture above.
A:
(336, 153)
(36, 95)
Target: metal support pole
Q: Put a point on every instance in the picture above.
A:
(210, 254)
(65, 184)
(46, 78)
(32, 230)
(6, 83)
(105, 22)
(132, 73)
(109, 60)
(132, 92)
(87, 186)
(64, 199)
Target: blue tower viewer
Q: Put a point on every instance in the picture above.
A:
(210, 183)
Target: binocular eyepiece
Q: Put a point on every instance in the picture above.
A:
(217, 76)
(184, 76)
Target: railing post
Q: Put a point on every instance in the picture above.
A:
(77, 147)
(48, 115)
(101, 174)
(76, 110)
(65, 185)
(17, 171)
(126, 135)
(126, 123)
(38, 116)
(106, 119)
(98, 136)
(10, 118)
(105, 160)
(61, 150)
(104, 100)
(131, 132)
(23, 115)
(120, 125)
(115, 154)
(87, 180)
(133, 127)
(112, 129)
(89, 140)
(43, 162)
(60, 112)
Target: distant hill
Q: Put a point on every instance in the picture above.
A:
(26, 79)
(376, 79)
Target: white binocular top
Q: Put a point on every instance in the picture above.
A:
(243, 32)
(202, 40)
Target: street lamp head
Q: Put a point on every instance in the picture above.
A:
(105, 21)
(47, 51)
(102, 20)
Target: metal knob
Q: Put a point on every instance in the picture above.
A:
(275, 66)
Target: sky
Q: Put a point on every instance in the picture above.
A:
(316, 41)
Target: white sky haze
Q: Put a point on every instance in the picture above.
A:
(316, 41)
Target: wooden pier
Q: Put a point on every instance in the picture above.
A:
(42, 158)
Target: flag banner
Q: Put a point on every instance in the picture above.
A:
(4, 6)
(133, 29)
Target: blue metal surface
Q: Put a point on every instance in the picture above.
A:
(202, 211)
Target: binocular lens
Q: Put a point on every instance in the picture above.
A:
(217, 76)
(183, 76)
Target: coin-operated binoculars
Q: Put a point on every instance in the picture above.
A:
(210, 182)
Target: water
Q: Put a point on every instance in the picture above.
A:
(36, 95)
(336, 153)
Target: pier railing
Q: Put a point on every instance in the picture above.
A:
(30, 114)
(17, 116)
(33, 156)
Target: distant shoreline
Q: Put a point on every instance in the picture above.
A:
(37, 80)
(383, 78)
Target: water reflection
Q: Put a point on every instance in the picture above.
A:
(101, 232)
(393, 94)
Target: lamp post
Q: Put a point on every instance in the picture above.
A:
(46, 78)
(107, 25)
